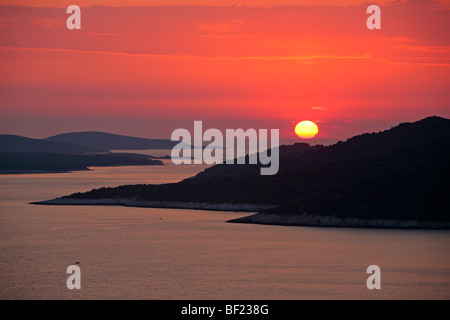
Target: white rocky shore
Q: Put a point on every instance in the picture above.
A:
(330, 221)
(246, 207)
(259, 218)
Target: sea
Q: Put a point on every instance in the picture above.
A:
(166, 254)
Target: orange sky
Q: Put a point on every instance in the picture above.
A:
(122, 3)
(148, 71)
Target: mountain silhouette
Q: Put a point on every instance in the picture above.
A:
(26, 155)
(15, 143)
(399, 174)
(35, 162)
(111, 141)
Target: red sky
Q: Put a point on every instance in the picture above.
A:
(145, 71)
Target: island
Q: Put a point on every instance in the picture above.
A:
(38, 162)
(397, 178)
(75, 151)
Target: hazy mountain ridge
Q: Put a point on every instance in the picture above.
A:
(20, 154)
(401, 174)
(30, 162)
(112, 141)
(15, 143)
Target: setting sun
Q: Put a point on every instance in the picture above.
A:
(306, 129)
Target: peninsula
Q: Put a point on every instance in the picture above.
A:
(396, 178)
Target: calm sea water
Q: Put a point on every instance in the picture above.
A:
(142, 253)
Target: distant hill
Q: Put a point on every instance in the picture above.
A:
(32, 162)
(26, 155)
(14, 143)
(111, 141)
(374, 179)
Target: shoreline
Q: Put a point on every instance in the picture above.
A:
(89, 168)
(257, 218)
(305, 220)
(40, 171)
(244, 207)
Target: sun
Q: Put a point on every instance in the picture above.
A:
(306, 129)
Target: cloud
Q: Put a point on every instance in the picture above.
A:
(103, 34)
(261, 58)
(403, 39)
(221, 27)
(7, 22)
(46, 22)
(445, 49)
